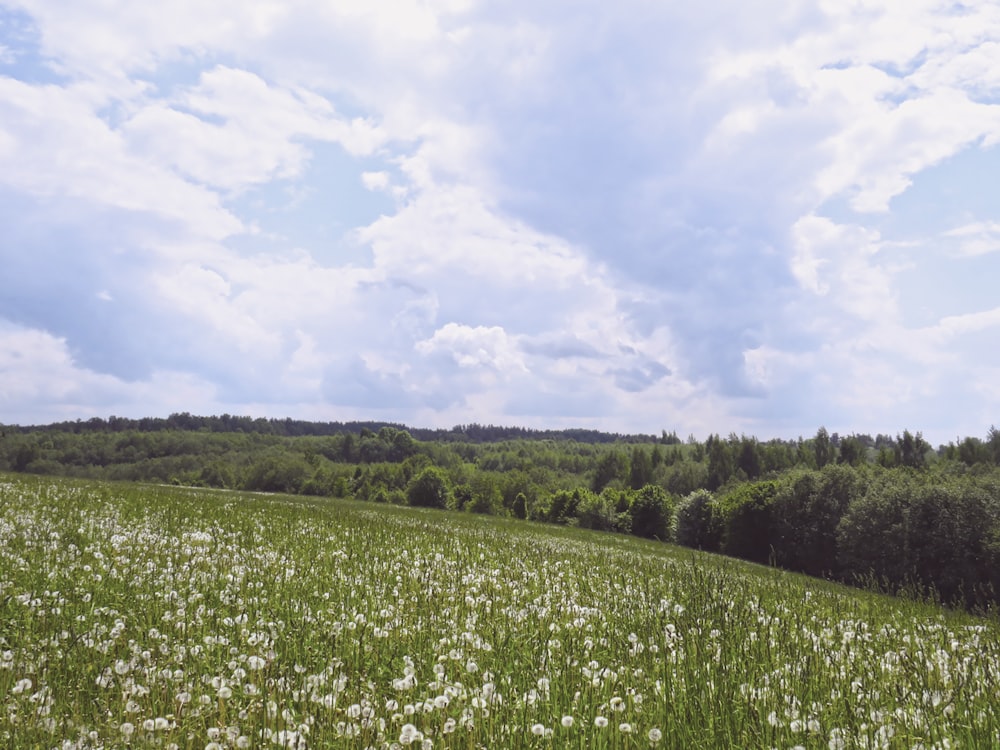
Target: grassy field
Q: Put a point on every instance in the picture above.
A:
(161, 617)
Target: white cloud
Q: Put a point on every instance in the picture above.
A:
(375, 180)
(56, 144)
(475, 347)
(637, 215)
(40, 381)
(977, 238)
(838, 261)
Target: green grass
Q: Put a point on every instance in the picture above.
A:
(163, 617)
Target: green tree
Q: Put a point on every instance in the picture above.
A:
(823, 448)
(611, 466)
(694, 521)
(651, 512)
(746, 521)
(749, 461)
(852, 452)
(911, 450)
(520, 506)
(640, 469)
(429, 489)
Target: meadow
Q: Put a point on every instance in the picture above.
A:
(144, 616)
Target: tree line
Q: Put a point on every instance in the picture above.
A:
(885, 510)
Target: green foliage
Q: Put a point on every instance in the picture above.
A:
(871, 536)
(746, 521)
(652, 512)
(640, 468)
(485, 495)
(911, 451)
(520, 506)
(562, 505)
(823, 448)
(277, 472)
(429, 489)
(807, 510)
(720, 462)
(852, 451)
(604, 512)
(694, 521)
(610, 467)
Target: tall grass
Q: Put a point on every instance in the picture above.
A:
(156, 617)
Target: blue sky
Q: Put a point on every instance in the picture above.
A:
(702, 217)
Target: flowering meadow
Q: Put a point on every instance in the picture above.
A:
(154, 617)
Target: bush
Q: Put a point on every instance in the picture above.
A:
(695, 523)
(429, 489)
(871, 536)
(600, 512)
(652, 512)
(746, 521)
(807, 510)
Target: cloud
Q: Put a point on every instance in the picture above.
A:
(706, 217)
(977, 238)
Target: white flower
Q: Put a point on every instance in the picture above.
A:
(127, 728)
(538, 730)
(655, 735)
(567, 721)
(625, 728)
(600, 722)
(409, 734)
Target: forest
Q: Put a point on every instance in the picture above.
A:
(885, 512)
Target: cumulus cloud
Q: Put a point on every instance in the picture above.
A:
(637, 216)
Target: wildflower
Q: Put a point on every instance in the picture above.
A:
(567, 721)
(409, 734)
(538, 730)
(600, 722)
(655, 735)
(127, 729)
(625, 728)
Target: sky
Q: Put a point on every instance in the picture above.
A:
(636, 216)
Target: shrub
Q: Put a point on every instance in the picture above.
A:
(652, 512)
(429, 489)
(694, 521)
(746, 521)
(807, 510)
